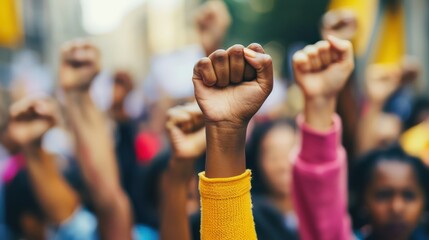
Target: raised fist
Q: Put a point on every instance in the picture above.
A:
(212, 20)
(185, 127)
(220, 90)
(382, 81)
(341, 23)
(80, 63)
(30, 119)
(322, 69)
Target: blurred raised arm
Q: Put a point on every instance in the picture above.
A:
(30, 119)
(80, 63)
(185, 126)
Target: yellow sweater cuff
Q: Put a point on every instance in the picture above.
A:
(225, 188)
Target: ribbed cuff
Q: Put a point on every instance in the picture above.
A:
(225, 188)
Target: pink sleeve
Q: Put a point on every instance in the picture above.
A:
(320, 184)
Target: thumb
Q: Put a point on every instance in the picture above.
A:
(263, 64)
(343, 47)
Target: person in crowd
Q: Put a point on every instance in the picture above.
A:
(393, 193)
(390, 190)
(268, 151)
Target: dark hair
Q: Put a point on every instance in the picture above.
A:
(362, 175)
(20, 199)
(253, 151)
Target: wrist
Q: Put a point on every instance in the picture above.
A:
(33, 150)
(76, 93)
(225, 150)
(77, 97)
(180, 170)
(318, 112)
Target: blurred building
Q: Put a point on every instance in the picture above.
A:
(151, 28)
(42, 25)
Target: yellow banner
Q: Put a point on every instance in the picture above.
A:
(10, 24)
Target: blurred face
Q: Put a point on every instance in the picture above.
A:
(394, 200)
(275, 163)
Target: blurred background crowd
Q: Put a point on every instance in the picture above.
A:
(148, 50)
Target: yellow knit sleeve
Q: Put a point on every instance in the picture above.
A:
(226, 208)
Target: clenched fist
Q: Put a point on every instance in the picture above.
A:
(212, 20)
(224, 95)
(341, 23)
(321, 71)
(185, 127)
(80, 63)
(30, 119)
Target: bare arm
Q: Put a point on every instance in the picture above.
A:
(185, 127)
(30, 119)
(93, 141)
(381, 82)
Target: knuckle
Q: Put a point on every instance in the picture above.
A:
(256, 47)
(203, 64)
(322, 46)
(220, 55)
(236, 50)
(310, 50)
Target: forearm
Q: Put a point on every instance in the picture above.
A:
(115, 221)
(97, 160)
(367, 126)
(174, 216)
(94, 144)
(58, 200)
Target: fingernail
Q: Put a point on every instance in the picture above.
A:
(332, 37)
(249, 53)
